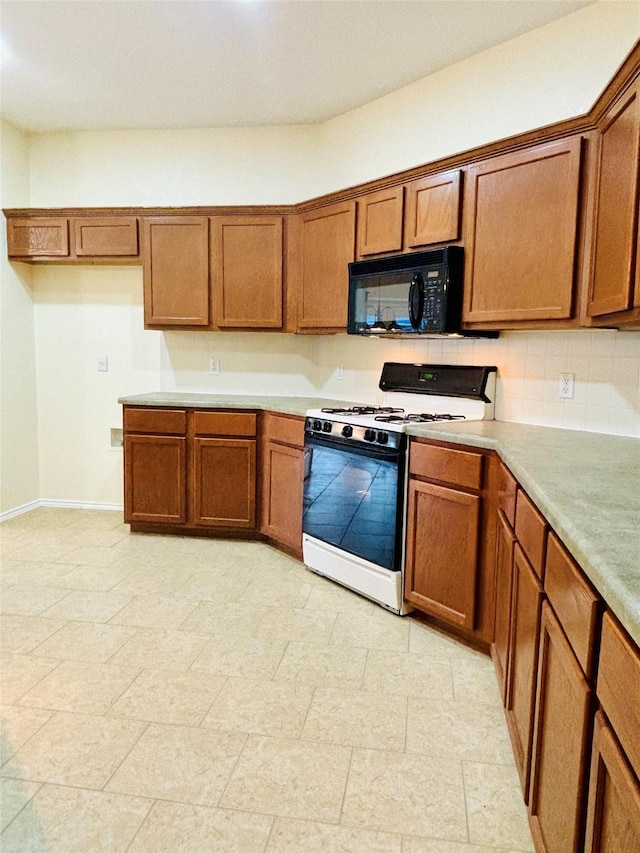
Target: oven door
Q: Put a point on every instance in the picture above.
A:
(354, 499)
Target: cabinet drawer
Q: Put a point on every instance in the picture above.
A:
(284, 430)
(619, 687)
(444, 463)
(531, 532)
(112, 236)
(224, 423)
(574, 602)
(163, 421)
(507, 488)
(37, 237)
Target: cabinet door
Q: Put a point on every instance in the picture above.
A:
(505, 546)
(108, 236)
(560, 745)
(613, 816)
(246, 266)
(282, 483)
(526, 604)
(176, 271)
(442, 552)
(155, 478)
(36, 237)
(380, 222)
(619, 687)
(325, 246)
(616, 212)
(433, 210)
(224, 482)
(521, 213)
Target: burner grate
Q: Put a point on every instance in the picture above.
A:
(418, 418)
(363, 410)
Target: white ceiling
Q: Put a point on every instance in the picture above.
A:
(123, 64)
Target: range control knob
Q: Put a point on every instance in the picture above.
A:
(383, 437)
(369, 435)
(326, 426)
(347, 431)
(317, 425)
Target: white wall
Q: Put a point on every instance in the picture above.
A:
(546, 75)
(259, 165)
(84, 312)
(18, 412)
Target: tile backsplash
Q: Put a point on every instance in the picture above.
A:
(605, 364)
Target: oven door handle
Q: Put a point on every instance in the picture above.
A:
(416, 300)
(373, 452)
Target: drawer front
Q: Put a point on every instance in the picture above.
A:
(531, 532)
(224, 423)
(459, 467)
(284, 430)
(576, 605)
(619, 687)
(112, 236)
(38, 236)
(507, 488)
(162, 421)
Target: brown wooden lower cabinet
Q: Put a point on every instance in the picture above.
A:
(505, 550)
(155, 479)
(613, 816)
(562, 730)
(282, 480)
(442, 552)
(224, 482)
(526, 604)
(189, 470)
(451, 536)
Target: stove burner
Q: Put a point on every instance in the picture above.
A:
(363, 410)
(417, 419)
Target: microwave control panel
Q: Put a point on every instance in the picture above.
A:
(435, 299)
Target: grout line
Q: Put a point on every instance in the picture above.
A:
(133, 745)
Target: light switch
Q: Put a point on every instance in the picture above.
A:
(103, 363)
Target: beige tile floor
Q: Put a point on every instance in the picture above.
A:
(172, 694)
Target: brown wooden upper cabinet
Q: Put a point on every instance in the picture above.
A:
(246, 269)
(521, 220)
(432, 211)
(106, 236)
(48, 238)
(323, 246)
(380, 222)
(176, 271)
(615, 272)
(37, 237)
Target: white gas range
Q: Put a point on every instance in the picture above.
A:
(356, 479)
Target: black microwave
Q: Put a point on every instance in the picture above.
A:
(415, 293)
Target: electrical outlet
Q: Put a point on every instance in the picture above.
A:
(103, 363)
(565, 386)
(214, 366)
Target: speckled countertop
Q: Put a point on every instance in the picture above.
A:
(285, 405)
(587, 485)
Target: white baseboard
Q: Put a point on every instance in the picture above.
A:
(19, 510)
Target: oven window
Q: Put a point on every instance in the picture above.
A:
(351, 501)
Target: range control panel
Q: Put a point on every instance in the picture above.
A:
(362, 434)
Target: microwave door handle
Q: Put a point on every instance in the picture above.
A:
(416, 300)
